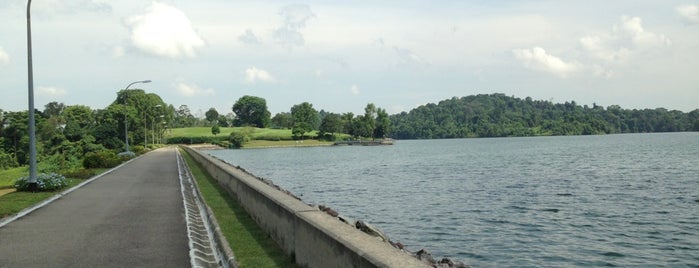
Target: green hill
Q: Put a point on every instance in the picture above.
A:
(498, 115)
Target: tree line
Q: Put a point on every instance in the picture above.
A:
(66, 134)
(498, 115)
(303, 119)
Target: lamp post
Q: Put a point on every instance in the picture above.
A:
(126, 122)
(33, 185)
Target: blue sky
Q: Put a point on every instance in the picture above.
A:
(339, 56)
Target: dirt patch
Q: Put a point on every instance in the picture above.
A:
(7, 191)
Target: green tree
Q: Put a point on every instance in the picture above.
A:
(369, 121)
(215, 129)
(53, 109)
(305, 119)
(212, 116)
(183, 117)
(383, 124)
(78, 120)
(347, 123)
(282, 120)
(251, 111)
(331, 123)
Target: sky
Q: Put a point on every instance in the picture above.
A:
(342, 55)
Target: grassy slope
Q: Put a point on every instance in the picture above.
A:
(252, 246)
(257, 133)
(9, 176)
(225, 131)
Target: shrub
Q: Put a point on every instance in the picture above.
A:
(45, 182)
(237, 139)
(101, 159)
(139, 149)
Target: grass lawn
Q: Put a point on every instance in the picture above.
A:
(199, 132)
(255, 133)
(284, 143)
(9, 176)
(252, 246)
(17, 201)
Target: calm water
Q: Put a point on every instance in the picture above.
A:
(617, 200)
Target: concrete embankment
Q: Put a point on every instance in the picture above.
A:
(312, 237)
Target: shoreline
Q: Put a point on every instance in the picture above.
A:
(264, 144)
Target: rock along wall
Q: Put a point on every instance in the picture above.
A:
(312, 237)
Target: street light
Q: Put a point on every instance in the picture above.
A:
(126, 122)
(33, 185)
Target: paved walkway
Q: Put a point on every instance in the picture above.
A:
(132, 217)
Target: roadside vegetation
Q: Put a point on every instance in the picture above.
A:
(251, 245)
(15, 202)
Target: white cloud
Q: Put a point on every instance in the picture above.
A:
(164, 31)
(623, 41)
(252, 75)
(118, 52)
(249, 38)
(4, 57)
(633, 29)
(408, 57)
(192, 90)
(538, 59)
(689, 12)
(294, 19)
(354, 90)
(51, 91)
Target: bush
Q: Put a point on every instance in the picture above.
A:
(237, 139)
(45, 182)
(101, 159)
(139, 149)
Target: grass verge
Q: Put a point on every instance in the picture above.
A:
(251, 245)
(15, 202)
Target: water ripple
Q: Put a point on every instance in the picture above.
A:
(592, 201)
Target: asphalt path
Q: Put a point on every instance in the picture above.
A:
(131, 217)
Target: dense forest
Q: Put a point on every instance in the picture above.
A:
(498, 115)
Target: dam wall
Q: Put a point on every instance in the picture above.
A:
(310, 236)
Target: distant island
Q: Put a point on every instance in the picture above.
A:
(498, 115)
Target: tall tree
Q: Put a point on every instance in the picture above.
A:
(282, 120)
(212, 116)
(305, 118)
(53, 109)
(383, 124)
(251, 111)
(331, 123)
(183, 117)
(369, 120)
(78, 122)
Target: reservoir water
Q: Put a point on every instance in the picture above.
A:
(628, 200)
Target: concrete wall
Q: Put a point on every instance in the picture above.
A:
(314, 238)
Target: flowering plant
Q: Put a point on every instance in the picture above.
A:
(45, 182)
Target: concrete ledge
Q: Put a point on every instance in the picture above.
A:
(312, 237)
